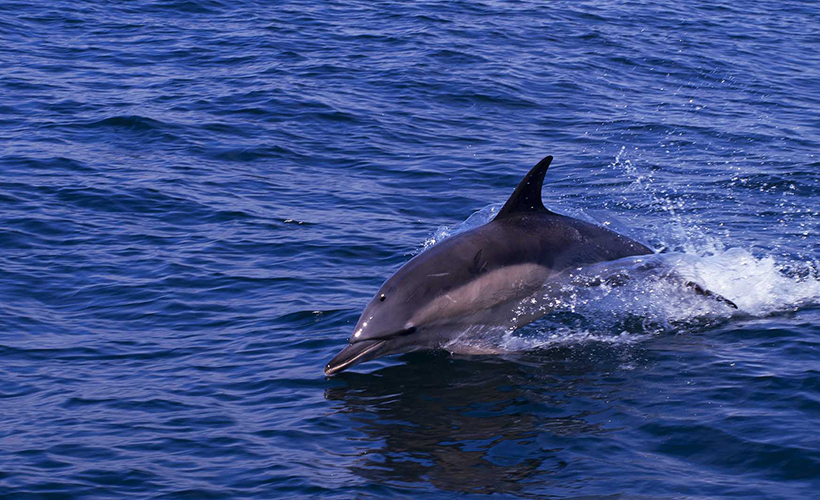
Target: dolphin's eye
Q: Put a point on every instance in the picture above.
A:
(382, 297)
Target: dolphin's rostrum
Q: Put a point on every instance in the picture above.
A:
(479, 277)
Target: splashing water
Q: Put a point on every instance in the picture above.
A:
(478, 218)
(630, 300)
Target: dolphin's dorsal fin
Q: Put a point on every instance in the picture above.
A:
(527, 196)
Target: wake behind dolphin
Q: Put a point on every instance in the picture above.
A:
(480, 278)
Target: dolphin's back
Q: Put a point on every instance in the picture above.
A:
(561, 241)
(564, 242)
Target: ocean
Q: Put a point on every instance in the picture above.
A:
(198, 198)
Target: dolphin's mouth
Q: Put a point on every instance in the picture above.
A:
(363, 351)
(353, 354)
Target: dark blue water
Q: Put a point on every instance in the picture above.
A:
(198, 197)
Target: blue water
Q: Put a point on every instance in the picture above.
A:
(198, 197)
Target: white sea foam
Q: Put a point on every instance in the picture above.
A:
(629, 301)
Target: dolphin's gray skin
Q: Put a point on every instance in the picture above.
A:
(478, 277)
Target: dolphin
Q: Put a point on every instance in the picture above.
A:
(480, 277)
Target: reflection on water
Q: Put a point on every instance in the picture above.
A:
(484, 424)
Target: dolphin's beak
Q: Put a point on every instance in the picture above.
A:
(354, 354)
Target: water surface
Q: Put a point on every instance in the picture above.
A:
(199, 196)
